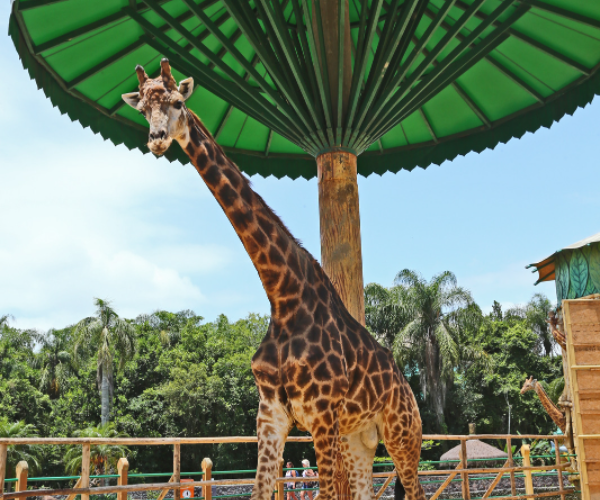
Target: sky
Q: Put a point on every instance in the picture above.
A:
(81, 218)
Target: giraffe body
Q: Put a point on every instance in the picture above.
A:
(317, 367)
(557, 416)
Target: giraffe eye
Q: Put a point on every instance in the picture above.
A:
(178, 104)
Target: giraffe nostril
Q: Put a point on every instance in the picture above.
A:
(162, 134)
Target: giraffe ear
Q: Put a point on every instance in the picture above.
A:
(186, 88)
(133, 99)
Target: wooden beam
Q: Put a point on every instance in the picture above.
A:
(207, 476)
(122, 470)
(22, 471)
(176, 470)
(85, 470)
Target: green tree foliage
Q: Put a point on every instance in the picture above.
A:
(19, 452)
(103, 457)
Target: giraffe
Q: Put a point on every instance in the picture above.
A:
(556, 415)
(317, 368)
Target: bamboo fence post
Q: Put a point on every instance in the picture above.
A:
(122, 470)
(3, 448)
(85, 469)
(513, 486)
(559, 470)
(281, 485)
(525, 452)
(207, 476)
(22, 472)
(176, 469)
(466, 491)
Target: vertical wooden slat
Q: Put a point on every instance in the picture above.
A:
(22, 472)
(3, 449)
(513, 485)
(464, 464)
(123, 471)
(280, 486)
(558, 469)
(207, 469)
(176, 470)
(525, 453)
(85, 469)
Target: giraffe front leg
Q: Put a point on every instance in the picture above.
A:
(272, 427)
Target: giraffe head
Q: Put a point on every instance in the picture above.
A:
(529, 385)
(162, 103)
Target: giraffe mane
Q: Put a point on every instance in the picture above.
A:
(268, 209)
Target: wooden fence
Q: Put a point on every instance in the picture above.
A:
(123, 488)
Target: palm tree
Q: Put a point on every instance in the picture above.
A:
(431, 339)
(384, 314)
(19, 452)
(114, 337)
(102, 456)
(55, 362)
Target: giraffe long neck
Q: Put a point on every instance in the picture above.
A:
(555, 414)
(282, 263)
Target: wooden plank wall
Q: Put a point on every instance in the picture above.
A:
(582, 325)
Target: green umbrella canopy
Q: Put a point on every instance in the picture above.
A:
(412, 82)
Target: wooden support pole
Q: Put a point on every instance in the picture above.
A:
(85, 470)
(464, 464)
(511, 463)
(559, 470)
(525, 452)
(207, 476)
(22, 473)
(341, 254)
(176, 469)
(122, 470)
(280, 486)
(3, 448)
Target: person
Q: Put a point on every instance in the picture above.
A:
(308, 485)
(291, 485)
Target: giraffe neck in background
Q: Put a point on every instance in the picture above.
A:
(555, 414)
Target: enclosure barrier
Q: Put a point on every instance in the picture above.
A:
(82, 487)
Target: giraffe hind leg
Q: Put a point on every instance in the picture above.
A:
(402, 437)
(358, 450)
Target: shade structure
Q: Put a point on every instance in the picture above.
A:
(402, 83)
(476, 450)
(575, 269)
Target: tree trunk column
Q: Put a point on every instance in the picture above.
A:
(341, 254)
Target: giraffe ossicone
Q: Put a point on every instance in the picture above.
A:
(317, 368)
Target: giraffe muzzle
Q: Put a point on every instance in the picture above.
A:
(159, 146)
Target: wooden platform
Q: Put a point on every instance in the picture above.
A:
(582, 325)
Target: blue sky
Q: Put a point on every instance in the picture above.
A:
(82, 218)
